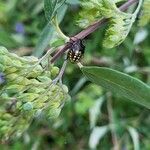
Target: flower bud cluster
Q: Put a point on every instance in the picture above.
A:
(26, 91)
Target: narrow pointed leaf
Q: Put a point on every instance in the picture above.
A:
(95, 111)
(96, 135)
(120, 83)
(135, 137)
(47, 34)
(51, 7)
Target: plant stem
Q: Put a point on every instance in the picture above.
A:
(90, 30)
(60, 52)
(56, 24)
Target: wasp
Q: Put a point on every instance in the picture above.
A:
(76, 51)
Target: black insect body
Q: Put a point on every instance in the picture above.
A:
(76, 51)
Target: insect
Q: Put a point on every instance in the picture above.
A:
(76, 51)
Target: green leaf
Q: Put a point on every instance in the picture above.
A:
(43, 40)
(120, 23)
(96, 135)
(47, 34)
(95, 111)
(96, 10)
(51, 7)
(120, 83)
(135, 137)
(145, 15)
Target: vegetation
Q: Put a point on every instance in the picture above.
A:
(101, 102)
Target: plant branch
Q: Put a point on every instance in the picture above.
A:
(90, 30)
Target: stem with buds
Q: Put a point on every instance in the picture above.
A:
(89, 30)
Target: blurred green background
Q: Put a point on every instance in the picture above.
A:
(93, 118)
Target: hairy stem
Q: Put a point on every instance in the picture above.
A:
(90, 30)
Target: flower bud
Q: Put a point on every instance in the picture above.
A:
(33, 90)
(54, 71)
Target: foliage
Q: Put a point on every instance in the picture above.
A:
(48, 34)
(51, 7)
(27, 91)
(120, 22)
(119, 83)
(95, 118)
(145, 15)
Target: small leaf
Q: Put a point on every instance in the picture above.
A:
(43, 40)
(120, 83)
(135, 137)
(120, 23)
(96, 135)
(95, 111)
(51, 7)
(47, 34)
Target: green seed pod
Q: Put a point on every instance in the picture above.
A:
(27, 106)
(56, 92)
(38, 113)
(65, 88)
(13, 89)
(3, 51)
(9, 70)
(55, 104)
(23, 60)
(54, 71)
(12, 76)
(38, 105)
(22, 81)
(35, 72)
(44, 79)
(32, 88)
(35, 82)
(36, 90)
(17, 63)
(14, 56)
(2, 68)
(53, 113)
(5, 60)
(31, 59)
(18, 105)
(28, 97)
(54, 88)
(14, 126)
(47, 74)
(42, 99)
